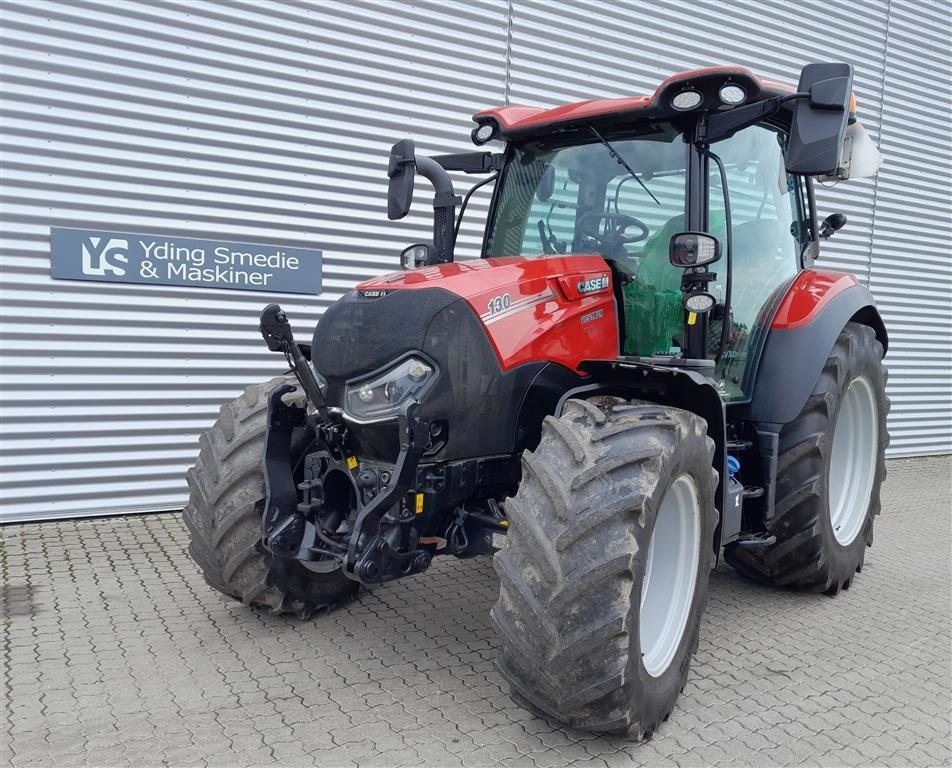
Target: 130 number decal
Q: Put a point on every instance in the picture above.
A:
(499, 303)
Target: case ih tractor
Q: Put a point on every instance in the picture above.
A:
(644, 368)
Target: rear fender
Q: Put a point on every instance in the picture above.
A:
(815, 309)
(674, 387)
(810, 316)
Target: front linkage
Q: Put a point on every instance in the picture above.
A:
(292, 511)
(289, 527)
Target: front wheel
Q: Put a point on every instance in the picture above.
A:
(604, 574)
(226, 491)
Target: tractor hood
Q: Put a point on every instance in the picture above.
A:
(558, 309)
(492, 329)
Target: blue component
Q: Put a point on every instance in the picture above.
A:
(733, 466)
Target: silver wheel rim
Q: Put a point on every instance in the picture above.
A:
(667, 591)
(853, 460)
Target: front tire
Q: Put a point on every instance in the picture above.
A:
(604, 575)
(829, 472)
(223, 515)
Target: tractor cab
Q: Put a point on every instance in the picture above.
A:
(719, 152)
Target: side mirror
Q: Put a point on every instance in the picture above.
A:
(832, 223)
(401, 171)
(819, 120)
(694, 249)
(416, 255)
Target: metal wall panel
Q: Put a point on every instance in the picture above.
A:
(270, 122)
(257, 121)
(911, 271)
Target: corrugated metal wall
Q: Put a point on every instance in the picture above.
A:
(257, 122)
(911, 270)
(270, 122)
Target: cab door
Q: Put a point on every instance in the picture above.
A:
(766, 212)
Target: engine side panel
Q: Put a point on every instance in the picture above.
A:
(559, 309)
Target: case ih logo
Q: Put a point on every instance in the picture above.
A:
(593, 284)
(102, 255)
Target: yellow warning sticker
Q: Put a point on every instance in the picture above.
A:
(504, 523)
(351, 462)
(692, 318)
(419, 503)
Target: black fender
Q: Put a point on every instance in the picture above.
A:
(679, 388)
(793, 358)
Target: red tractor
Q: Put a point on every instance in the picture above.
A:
(590, 388)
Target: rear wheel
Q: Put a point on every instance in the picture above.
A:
(226, 491)
(604, 574)
(829, 472)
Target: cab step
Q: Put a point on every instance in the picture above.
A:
(753, 491)
(758, 540)
(737, 446)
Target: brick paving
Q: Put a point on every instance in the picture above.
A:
(116, 653)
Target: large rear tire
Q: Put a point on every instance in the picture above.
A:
(604, 574)
(829, 473)
(226, 488)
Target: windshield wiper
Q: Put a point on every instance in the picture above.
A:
(621, 161)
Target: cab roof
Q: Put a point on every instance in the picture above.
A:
(515, 122)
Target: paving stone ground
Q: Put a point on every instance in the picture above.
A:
(116, 653)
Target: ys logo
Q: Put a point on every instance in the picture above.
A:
(102, 255)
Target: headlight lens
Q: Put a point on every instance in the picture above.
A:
(732, 94)
(686, 100)
(380, 398)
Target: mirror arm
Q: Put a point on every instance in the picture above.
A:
(471, 162)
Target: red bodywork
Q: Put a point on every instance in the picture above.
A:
(810, 292)
(520, 121)
(559, 309)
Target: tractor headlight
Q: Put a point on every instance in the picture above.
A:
(732, 94)
(378, 397)
(686, 100)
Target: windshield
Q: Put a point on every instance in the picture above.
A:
(582, 199)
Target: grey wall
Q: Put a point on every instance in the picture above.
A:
(270, 122)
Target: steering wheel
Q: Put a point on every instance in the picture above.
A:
(614, 236)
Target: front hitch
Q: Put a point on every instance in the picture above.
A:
(289, 526)
(286, 532)
(371, 558)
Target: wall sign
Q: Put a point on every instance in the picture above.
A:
(122, 257)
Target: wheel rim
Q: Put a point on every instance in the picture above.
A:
(853, 460)
(667, 591)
